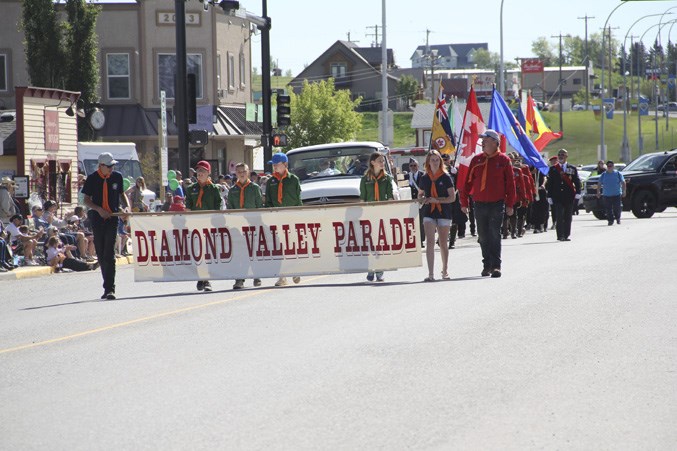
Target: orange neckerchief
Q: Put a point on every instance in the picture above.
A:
(242, 187)
(198, 202)
(485, 163)
(433, 188)
(377, 195)
(279, 188)
(104, 202)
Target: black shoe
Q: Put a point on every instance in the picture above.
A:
(486, 272)
(462, 236)
(104, 296)
(496, 273)
(200, 285)
(618, 221)
(610, 223)
(566, 239)
(110, 296)
(207, 286)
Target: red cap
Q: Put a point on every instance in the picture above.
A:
(203, 165)
(552, 158)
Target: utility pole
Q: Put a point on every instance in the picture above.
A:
(375, 43)
(587, 62)
(181, 89)
(561, 125)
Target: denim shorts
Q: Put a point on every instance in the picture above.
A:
(439, 222)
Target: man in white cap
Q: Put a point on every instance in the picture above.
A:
(104, 193)
(8, 207)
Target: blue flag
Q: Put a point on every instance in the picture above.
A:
(502, 120)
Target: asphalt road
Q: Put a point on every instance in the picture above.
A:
(575, 347)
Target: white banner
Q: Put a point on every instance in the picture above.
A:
(298, 241)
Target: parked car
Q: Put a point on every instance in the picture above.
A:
(331, 173)
(578, 107)
(651, 186)
(672, 106)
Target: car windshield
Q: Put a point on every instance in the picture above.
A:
(331, 162)
(646, 163)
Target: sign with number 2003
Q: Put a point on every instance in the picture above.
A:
(169, 18)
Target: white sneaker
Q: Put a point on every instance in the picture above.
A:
(281, 282)
(296, 279)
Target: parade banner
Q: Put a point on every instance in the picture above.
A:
(262, 243)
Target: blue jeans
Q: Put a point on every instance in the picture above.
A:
(612, 207)
(489, 218)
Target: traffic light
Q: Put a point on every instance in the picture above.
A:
(279, 140)
(283, 109)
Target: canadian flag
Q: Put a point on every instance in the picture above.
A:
(470, 145)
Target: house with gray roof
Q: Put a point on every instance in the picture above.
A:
(447, 56)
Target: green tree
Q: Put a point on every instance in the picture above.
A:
(321, 114)
(82, 72)
(485, 59)
(42, 41)
(542, 48)
(408, 88)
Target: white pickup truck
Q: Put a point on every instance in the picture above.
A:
(331, 173)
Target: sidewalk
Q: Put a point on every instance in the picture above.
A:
(27, 272)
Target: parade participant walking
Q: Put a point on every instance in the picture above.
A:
(104, 193)
(414, 178)
(203, 196)
(437, 193)
(244, 194)
(612, 187)
(490, 181)
(564, 189)
(376, 186)
(283, 189)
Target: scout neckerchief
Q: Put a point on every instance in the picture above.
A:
(484, 163)
(242, 187)
(198, 202)
(279, 188)
(433, 187)
(565, 177)
(376, 178)
(104, 201)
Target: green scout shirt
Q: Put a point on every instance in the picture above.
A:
(385, 188)
(291, 191)
(211, 198)
(252, 197)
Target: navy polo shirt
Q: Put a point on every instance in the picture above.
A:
(94, 188)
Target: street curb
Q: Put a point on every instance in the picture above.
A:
(27, 272)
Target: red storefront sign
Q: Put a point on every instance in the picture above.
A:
(51, 130)
(532, 66)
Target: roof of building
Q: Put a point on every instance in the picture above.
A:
(448, 50)
(8, 133)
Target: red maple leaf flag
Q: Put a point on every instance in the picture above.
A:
(469, 145)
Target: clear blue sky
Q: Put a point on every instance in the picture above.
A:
(303, 29)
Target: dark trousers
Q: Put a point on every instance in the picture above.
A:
(564, 211)
(75, 265)
(105, 233)
(612, 207)
(489, 217)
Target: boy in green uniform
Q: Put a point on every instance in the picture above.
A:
(203, 195)
(376, 186)
(244, 194)
(283, 189)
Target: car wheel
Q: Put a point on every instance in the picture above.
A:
(644, 204)
(599, 214)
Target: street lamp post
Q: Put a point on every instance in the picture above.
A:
(602, 148)
(625, 146)
(501, 69)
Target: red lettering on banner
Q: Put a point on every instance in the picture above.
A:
(263, 244)
(410, 229)
(141, 247)
(314, 234)
(210, 243)
(289, 250)
(301, 239)
(277, 246)
(339, 236)
(193, 236)
(248, 232)
(382, 243)
(165, 255)
(181, 245)
(398, 240)
(151, 235)
(365, 227)
(226, 251)
(352, 239)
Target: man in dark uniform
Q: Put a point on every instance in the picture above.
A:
(103, 192)
(564, 189)
(414, 178)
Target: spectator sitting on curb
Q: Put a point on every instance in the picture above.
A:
(78, 223)
(67, 236)
(6, 257)
(59, 256)
(25, 242)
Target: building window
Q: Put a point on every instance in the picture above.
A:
(118, 73)
(3, 72)
(243, 73)
(167, 68)
(577, 81)
(231, 72)
(338, 70)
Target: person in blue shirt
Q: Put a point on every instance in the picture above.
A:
(611, 186)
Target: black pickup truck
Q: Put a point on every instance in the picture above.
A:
(651, 186)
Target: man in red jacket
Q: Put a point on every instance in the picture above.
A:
(491, 183)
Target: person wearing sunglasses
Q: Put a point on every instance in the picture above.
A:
(104, 195)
